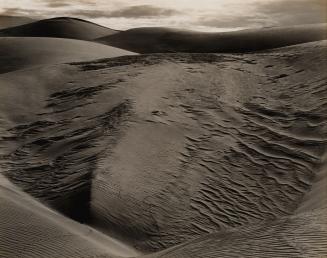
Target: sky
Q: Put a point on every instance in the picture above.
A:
(202, 15)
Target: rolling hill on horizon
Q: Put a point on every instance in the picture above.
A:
(168, 40)
(162, 40)
(61, 27)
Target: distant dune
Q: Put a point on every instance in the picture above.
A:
(23, 52)
(59, 28)
(163, 40)
(12, 21)
(210, 155)
(160, 40)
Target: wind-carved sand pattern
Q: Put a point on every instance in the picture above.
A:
(58, 153)
(161, 149)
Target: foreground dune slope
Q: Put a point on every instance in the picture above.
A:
(29, 229)
(303, 235)
(157, 40)
(24, 52)
(62, 27)
(157, 150)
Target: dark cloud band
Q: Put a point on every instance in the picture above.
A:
(132, 12)
(143, 11)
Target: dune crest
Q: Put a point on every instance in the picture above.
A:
(62, 27)
(162, 40)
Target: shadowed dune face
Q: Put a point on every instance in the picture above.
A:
(160, 40)
(25, 52)
(160, 149)
(12, 21)
(59, 28)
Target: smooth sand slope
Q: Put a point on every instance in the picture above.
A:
(24, 52)
(161, 40)
(158, 150)
(29, 229)
(63, 27)
(12, 21)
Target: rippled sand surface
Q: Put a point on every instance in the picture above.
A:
(209, 155)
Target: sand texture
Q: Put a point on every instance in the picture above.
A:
(108, 153)
(154, 156)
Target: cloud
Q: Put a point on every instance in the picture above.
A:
(204, 15)
(143, 11)
(17, 12)
(57, 4)
(233, 21)
(272, 13)
(91, 14)
(65, 3)
(294, 12)
(132, 12)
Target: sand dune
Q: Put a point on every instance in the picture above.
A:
(12, 21)
(36, 231)
(156, 150)
(59, 28)
(303, 235)
(18, 53)
(29, 229)
(157, 40)
(162, 40)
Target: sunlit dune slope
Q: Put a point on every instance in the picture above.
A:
(24, 52)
